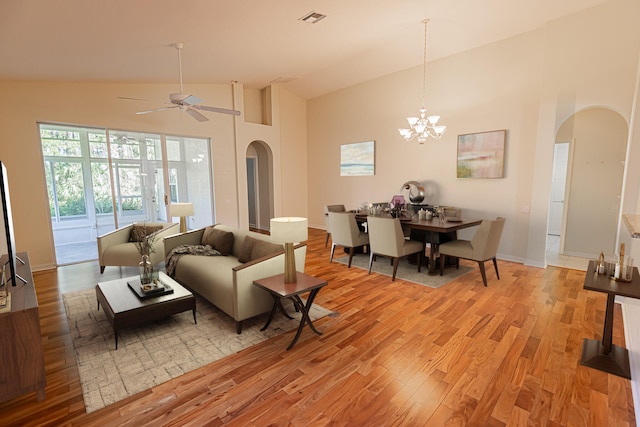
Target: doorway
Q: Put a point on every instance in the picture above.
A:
(259, 162)
(593, 175)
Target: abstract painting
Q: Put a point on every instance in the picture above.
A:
(481, 155)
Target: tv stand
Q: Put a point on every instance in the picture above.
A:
(21, 354)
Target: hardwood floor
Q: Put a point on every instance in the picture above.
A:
(394, 353)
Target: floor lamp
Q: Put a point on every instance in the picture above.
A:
(182, 210)
(289, 230)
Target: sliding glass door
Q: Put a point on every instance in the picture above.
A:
(99, 180)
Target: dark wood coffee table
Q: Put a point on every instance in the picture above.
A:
(125, 309)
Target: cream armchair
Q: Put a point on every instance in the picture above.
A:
(387, 238)
(117, 249)
(482, 247)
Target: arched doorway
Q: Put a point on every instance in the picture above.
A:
(584, 208)
(259, 185)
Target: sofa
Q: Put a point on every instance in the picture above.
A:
(118, 247)
(226, 280)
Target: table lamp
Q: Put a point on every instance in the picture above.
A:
(289, 230)
(182, 210)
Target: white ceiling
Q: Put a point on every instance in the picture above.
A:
(251, 41)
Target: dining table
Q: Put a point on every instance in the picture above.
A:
(432, 228)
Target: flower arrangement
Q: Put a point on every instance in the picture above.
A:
(146, 240)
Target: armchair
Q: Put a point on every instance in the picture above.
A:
(117, 249)
(327, 209)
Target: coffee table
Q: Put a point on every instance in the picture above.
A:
(124, 309)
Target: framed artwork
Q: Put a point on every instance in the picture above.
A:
(481, 155)
(357, 159)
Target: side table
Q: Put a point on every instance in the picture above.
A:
(604, 355)
(279, 290)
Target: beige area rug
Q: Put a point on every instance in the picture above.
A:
(406, 271)
(156, 352)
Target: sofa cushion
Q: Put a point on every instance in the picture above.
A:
(140, 231)
(255, 248)
(220, 240)
(245, 252)
(262, 248)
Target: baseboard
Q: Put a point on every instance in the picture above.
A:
(631, 321)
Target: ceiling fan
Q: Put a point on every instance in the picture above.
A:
(187, 103)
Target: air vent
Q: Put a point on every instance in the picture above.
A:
(312, 17)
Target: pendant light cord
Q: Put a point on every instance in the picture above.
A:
(424, 63)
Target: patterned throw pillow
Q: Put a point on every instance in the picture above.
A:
(220, 240)
(140, 231)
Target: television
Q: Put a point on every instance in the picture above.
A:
(7, 239)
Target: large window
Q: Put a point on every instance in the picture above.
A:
(101, 179)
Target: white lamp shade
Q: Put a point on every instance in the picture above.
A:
(181, 209)
(289, 230)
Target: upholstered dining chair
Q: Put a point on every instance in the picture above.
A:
(386, 238)
(482, 247)
(327, 209)
(345, 232)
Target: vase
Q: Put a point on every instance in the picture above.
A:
(148, 274)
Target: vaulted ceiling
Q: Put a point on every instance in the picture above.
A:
(254, 42)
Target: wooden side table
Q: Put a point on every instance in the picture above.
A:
(278, 290)
(604, 355)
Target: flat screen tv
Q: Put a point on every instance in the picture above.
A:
(7, 239)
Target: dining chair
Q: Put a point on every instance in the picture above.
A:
(482, 247)
(327, 209)
(386, 238)
(346, 233)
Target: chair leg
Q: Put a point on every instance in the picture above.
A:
(102, 269)
(396, 261)
(420, 260)
(351, 256)
(495, 264)
(333, 248)
(370, 261)
(441, 264)
(326, 242)
(483, 273)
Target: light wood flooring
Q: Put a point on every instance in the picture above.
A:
(395, 353)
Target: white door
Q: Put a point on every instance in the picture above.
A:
(558, 181)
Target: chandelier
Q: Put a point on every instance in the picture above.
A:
(424, 126)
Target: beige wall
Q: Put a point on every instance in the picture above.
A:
(97, 105)
(527, 84)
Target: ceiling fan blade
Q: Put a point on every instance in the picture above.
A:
(196, 115)
(156, 109)
(191, 100)
(137, 99)
(217, 110)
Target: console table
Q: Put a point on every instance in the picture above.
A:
(21, 355)
(604, 355)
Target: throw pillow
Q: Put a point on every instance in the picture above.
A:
(220, 240)
(262, 248)
(245, 251)
(140, 231)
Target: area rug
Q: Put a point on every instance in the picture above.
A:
(406, 271)
(156, 352)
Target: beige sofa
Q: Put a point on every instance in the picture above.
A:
(226, 281)
(116, 249)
